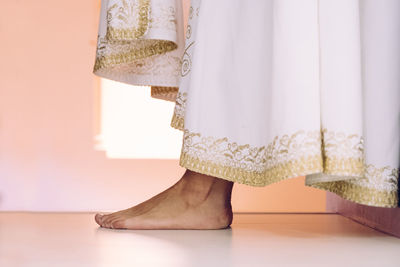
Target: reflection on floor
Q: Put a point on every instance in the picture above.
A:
(73, 240)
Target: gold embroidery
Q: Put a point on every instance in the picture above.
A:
(177, 121)
(126, 55)
(191, 12)
(343, 154)
(186, 61)
(164, 17)
(165, 93)
(360, 194)
(188, 32)
(289, 169)
(131, 20)
(144, 49)
(294, 155)
(384, 178)
(257, 166)
(187, 55)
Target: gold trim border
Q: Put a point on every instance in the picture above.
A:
(177, 122)
(275, 174)
(293, 169)
(344, 166)
(360, 194)
(164, 92)
(300, 166)
(159, 47)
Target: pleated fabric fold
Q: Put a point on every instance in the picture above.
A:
(274, 89)
(140, 42)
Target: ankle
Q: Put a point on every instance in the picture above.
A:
(197, 188)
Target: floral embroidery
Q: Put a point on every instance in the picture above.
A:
(127, 20)
(125, 54)
(298, 154)
(179, 111)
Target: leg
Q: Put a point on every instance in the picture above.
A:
(196, 201)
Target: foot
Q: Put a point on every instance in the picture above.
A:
(196, 201)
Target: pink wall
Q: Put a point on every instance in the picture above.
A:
(47, 123)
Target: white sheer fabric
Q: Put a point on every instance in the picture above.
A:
(275, 89)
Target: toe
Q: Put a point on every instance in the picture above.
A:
(102, 218)
(98, 218)
(105, 221)
(108, 220)
(118, 224)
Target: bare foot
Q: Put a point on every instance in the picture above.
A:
(196, 201)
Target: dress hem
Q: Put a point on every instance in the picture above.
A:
(340, 185)
(351, 192)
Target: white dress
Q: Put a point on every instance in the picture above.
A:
(271, 89)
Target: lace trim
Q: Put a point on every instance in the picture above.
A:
(343, 154)
(165, 93)
(142, 49)
(299, 167)
(383, 178)
(178, 117)
(360, 194)
(163, 18)
(125, 55)
(291, 156)
(129, 21)
(251, 165)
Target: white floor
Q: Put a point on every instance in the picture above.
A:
(73, 240)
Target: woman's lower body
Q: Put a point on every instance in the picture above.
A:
(268, 90)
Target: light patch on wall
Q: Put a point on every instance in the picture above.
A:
(135, 125)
